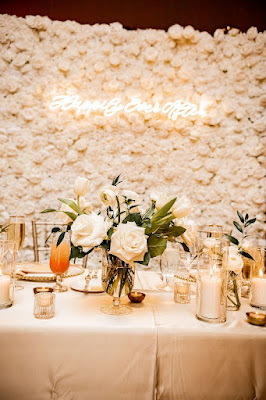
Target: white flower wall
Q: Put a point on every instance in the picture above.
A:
(217, 159)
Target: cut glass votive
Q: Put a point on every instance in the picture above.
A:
(44, 305)
(182, 292)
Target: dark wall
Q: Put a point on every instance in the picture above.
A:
(201, 14)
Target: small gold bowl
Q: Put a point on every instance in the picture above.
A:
(256, 318)
(41, 289)
(136, 297)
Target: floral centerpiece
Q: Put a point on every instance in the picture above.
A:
(124, 232)
(238, 252)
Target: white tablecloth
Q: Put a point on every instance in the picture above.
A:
(160, 350)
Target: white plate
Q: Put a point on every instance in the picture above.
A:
(42, 273)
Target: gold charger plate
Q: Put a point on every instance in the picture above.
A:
(40, 272)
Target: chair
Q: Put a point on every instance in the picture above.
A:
(44, 229)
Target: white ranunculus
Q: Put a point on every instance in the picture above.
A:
(85, 205)
(64, 217)
(191, 232)
(89, 231)
(210, 243)
(235, 262)
(182, 207)
(108, 195)
(81, 186)
(160, 198)
(129, 242)
(246, 245)
(129, 194)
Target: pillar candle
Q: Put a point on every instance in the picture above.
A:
(210, 296)
(4, 289)
(258, 291)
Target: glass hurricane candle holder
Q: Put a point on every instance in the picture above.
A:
(7, 273)
(258, 289)
(211, 299)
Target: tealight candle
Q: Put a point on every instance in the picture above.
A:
(258, 291)
(5, 282)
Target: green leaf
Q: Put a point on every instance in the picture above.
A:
(60, 239)
(240, 216)
(238, 227)
(146, 259)
(116, 180)
(70, 214)
(56, 229)
(232, 239)
(48, 210)
(246, 217)
(174, 231)
(149, 213)
(251, 221)
(247, 255)
(134, 217)
(72, 205)
(164, 210)
(156, 245)
(185, 247)
(110, 232)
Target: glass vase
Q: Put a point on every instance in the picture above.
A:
(117, 281)
(234, 291)
(211, 297)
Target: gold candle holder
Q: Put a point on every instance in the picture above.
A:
(136, 297)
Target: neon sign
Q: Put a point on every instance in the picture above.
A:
(110, 107)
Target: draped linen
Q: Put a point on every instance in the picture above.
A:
(159, 351)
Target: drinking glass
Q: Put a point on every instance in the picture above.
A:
(16, 234)
(59, 259)
(168, 266)
(7, 273)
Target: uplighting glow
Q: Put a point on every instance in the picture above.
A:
(172, 109)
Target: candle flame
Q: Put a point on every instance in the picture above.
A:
(260, 273)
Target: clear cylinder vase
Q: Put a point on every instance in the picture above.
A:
(211, 300)
(234, 290)
(117, 281)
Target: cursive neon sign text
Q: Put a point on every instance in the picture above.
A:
(110, 107)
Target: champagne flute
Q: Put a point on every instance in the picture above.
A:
(16, 234)
(59, 259)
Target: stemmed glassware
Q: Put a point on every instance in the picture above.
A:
(59, 259)
(168, 266)
(16, 234)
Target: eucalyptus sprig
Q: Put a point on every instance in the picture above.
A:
(242, 228)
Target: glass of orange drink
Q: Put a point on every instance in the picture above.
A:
(59, 259)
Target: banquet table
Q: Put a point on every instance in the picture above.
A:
(159, 351)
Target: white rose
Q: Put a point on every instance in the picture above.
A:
(129, 242)
(108, 195)
(81, 186)
(160, 198)
(89, 231)
(191, 232)
(182, 207)
(235, 262)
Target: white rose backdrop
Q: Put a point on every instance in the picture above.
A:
(217, 161)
